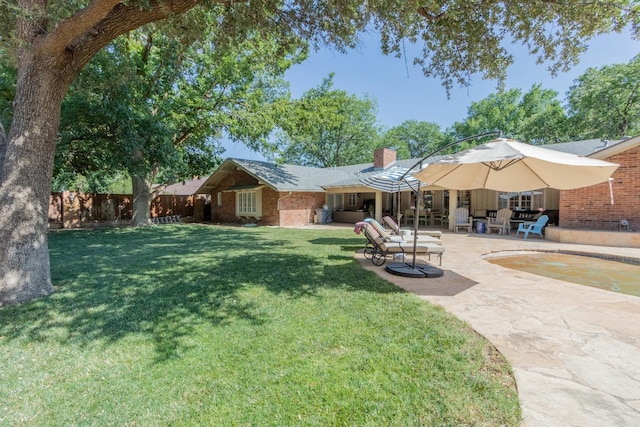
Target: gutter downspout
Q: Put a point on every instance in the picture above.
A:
(283, 197)
(278, 207)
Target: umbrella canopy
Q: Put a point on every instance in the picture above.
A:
(508, 165)
(391, 181)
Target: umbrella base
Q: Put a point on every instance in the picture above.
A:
(420, 271)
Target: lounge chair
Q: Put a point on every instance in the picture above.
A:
(377, 249)
(501, 222)
(528, 227)
(462, 219)
(408, 232)
(388, 237)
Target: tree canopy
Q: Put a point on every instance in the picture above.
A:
(413, 139)
(52, 41)
(605, 102)
(328, 127)
(154, 107)
(536, 116)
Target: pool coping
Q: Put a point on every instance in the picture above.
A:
(607, 257)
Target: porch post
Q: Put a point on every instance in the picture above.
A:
(378, 213)
(453, 204)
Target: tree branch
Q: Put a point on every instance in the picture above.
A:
(95, 26)
(422, 11)
(82, 21)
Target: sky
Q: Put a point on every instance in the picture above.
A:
(404, 93)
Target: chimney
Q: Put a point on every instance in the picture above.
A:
(383, 158)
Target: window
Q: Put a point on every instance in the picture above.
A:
(352, 199)
(520, 201)
(335, 202)
(219, 199)
(249, 203)
(427, 200)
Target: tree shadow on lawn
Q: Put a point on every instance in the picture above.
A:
(165, 282)
(349, 244)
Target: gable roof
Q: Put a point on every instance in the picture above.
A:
(579, 148)
(288, 177)
(620, 146)
(278, 177)
(596, 148)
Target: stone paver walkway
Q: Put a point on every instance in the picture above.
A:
(575, 350)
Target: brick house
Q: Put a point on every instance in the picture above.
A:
(250, 191)
(264, 193)
(289, 195)
(604, 206)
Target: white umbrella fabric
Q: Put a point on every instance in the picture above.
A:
(394, 180)
(508, 165)
(391, 181)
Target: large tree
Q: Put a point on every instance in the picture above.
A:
(536, 116)
(605, 102)
(413, 139)
(155, 107)
(328, 127)
(52, 41)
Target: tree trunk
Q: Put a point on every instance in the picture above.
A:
(48, 61)
(142, 196)
(25, 182)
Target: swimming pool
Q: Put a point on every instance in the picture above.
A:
(586, 270)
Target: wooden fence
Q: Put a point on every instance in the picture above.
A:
(76, 210)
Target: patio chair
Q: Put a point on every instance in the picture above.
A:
(408, 217)
(377, 250)
(501, 222)
(441, 218)
(528, 227)
(382, 232)
(388, 237)
(462, 219)
(393, 225)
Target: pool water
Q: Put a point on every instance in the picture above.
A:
(584, 270)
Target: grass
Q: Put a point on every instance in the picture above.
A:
(206, 325)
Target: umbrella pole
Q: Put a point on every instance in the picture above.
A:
(413, 269)
(422, 270)
(416, 216)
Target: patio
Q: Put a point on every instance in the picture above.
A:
(575, 350)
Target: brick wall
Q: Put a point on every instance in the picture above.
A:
(383, 157)
(591, 208)
(299, 208)
(295, 209)
(227, 211)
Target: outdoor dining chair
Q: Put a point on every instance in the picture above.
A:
(408, 217)
(441, 218)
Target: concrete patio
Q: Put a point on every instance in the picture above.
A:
(575, 350)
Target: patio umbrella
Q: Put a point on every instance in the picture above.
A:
(396, 180)
(414, 269)
(508, 165)
(391, 181)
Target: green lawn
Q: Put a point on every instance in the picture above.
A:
(205, 325)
